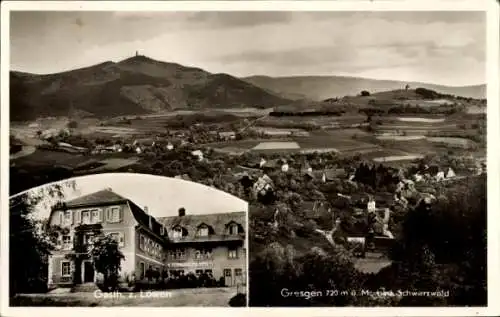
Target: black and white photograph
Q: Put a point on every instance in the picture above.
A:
(275, 154)
(127, 240)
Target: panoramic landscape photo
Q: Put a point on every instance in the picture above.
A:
(358, 138)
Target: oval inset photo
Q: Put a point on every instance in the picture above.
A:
(127, 240)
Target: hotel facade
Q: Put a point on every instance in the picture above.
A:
(213, 243)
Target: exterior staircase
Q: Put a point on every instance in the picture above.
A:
(84, 288)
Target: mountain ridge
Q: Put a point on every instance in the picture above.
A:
(135, 85)
(323, 87)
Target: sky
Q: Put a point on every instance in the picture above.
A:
(162, 195)
(446, 48)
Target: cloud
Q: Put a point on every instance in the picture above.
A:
(246, 43)
(230, 19)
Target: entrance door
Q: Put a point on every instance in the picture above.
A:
(88, 273)
(227, 277)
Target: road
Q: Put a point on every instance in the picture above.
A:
(26, 150)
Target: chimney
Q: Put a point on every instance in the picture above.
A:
(182, 212)
(146, 210)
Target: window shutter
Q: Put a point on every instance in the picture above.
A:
(107, 211)
(61, 217)
(56, 218)
(99, 215)
(72, 221)
(78, 216)
(59, 241)
(121, 239)
(120, 214)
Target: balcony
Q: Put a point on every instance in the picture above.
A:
(209, 238)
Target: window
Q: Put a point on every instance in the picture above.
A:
(142, 267)
(233, 229)
(180, 254)
(118, 237)
(142, 244)
(198, 272)
(227, 272)
(65, 268)
(238, 272)
(113, 214)
(66, 240)
(203, 231)
(67, 218)
(177, 254)
(209, 272)
(202, 254)
(232, 253)
(86, 216)
(176, 272)
(87, 238)
(95, 216)
(61, 217)
(177, 234)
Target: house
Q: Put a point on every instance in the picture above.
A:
(198, 154)
(371, 206)
(440, 176)
(306, 168)
(209, 243)
(263, 185)
(328, 175)
(184, 177)
(418, 177)
(450, 173)
(228, 135)
(285, 167)
(271, 165)
(139, 237)
(315, 209)
(262, 162)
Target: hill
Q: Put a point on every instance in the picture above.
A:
(137, 85)
(324, 87)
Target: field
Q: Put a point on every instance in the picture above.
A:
(421, 120)
(451, 141)
(198, 297)
(45, 158)
(276, 146)
(51, 158)
(400, 137)
(427, 103)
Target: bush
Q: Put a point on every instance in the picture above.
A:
(239, 300)
(365, 93)
(72, 124)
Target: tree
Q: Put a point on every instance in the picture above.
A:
(365, 93)
(81, 248)
(29, 243)
(107, 258)
(443, 246)
(73, 124)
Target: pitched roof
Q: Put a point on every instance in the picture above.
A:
(106, 197)
(217, 221)
(143, 218)
(97, 198)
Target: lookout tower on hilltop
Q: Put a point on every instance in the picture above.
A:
(136, 53)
